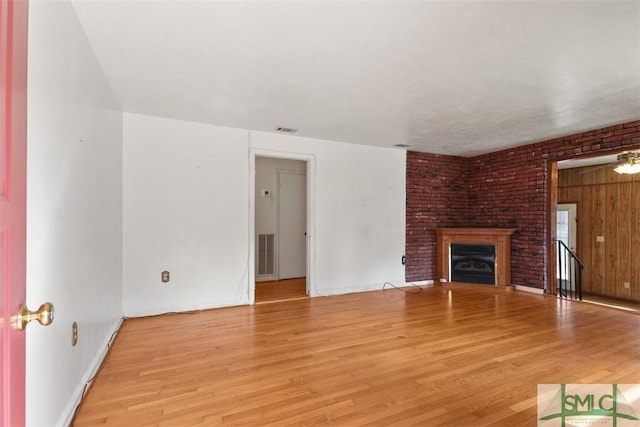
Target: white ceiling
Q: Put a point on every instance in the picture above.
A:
(452, 77)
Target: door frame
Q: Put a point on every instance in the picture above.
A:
(311, 220)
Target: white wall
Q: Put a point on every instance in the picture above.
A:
(186, 210)
(359, 211)
(95, 250)
(104, 220)
(266, 178)
(74, 230)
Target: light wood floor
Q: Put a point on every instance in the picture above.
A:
(452, 355)
(281, 290)
(610, 302)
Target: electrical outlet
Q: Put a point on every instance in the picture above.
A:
(627, 285)
(164, 276)
(74, 334)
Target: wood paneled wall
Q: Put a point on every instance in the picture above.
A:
(609, 206)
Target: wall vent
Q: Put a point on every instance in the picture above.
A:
(286, 130)
(266, 256)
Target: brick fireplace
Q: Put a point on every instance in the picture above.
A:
(474, 255)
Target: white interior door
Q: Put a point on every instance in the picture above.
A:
(292, 224)
(566, 220)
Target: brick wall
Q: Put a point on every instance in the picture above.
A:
(437, 196)
(508, 188)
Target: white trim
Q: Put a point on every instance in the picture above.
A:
(67, 415)
(311, 215)
(184, 308)
(420, 283)
(529, 289)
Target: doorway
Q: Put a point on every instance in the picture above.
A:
(282, 210)
(603, 239)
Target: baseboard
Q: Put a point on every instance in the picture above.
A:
(186, 308)
(537, 291)
(67, 415)
(369, 287)
(420, 283)
(347, 290)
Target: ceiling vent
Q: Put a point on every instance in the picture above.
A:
(402, 145)
(286, 130)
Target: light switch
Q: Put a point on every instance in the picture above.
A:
(600, 239)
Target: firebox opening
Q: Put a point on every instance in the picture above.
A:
(473, 263)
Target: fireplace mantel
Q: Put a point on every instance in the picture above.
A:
(500, 237)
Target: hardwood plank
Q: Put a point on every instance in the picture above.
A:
(450, 355)
(281, 290)
(619, 304)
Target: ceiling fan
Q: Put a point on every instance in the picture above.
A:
(627, 163)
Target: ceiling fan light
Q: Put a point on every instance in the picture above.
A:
(628, 168)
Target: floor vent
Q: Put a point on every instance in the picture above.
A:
(266, 256)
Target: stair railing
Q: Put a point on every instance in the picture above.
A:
(569, 273)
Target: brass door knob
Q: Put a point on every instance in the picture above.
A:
(44, 316)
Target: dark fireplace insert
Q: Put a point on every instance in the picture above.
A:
(473, 263)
